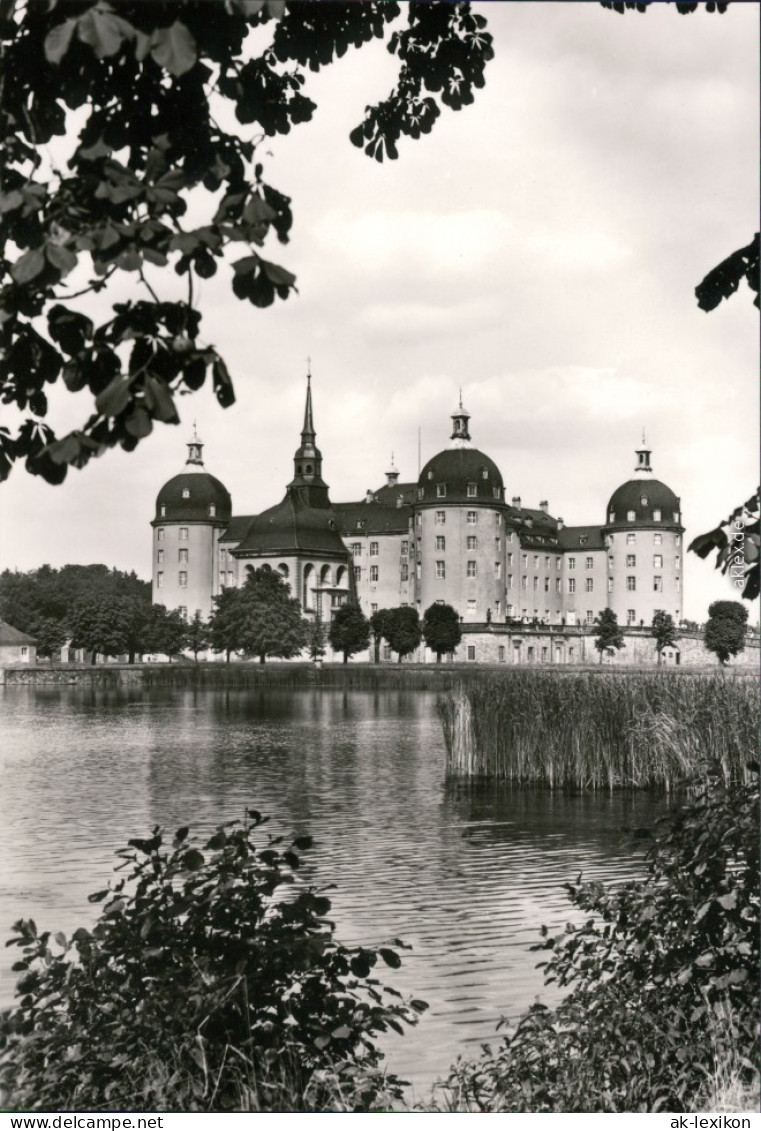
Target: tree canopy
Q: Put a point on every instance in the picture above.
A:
(609, 635)
(349, 630)
(402, 630)
(269, 619)
(441, 629)
(725, 629)
(664, 631)
(139, 93)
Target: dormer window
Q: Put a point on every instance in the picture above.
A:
(186, 492)
(484, 473)
(420, 492)
(612, 516)
(495, 492)
(644, 500)
(631, 516)
(441, 490)
(163, 510)
(676, 516)
(583, 540)
(472, 490)
(212, 510)
(656, 516)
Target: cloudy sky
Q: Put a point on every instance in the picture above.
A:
(539, 250)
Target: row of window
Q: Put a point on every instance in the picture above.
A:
(182, 556)
(183, 534)
(632, 515)
(186, 495)
(182, 579)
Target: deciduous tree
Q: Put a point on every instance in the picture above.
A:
(401, 628)
(167, 631)
(725, 630)
(142, 95)
(349, 630)
(610, 635)
(271, 623)
(197, 635)
(664, 631)
(441, 629)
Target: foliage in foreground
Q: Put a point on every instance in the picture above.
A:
(663, 977)
(212, 981)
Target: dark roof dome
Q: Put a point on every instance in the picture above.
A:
(293, 525)
(460, 472)
(190, 495)
(194, 495)
(644, 501)
(642, 498)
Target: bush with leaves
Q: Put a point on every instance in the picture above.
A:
(663, 975)
(211, 981)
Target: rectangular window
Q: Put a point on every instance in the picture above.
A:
(160, 557)
(471, 605)
(405, 549)
(373, 549)
(183, 579)
(509, 581)
(590, 617)
(558, 562)
(501, 653)
(404, 573)
(657, 561)
(441, 542)
(536, 561)
(657, 539)
(472, 490)
(558, 585)
(589, 562)
(223, 555)
(497, 607)
(183, 611)
(230, 577)
(524, 582)
(183, 555)
(419, 518)
(546, 584)
(610, 561)
(498, 569)
(183, 533)
(510, 559)
(441, 570)
(24, 649)
(441, 490)
(471, 569)
(545, 653)
(441, 518)
(498, 522)
(631, 584)
(678, 581)
(472, 542)
(159, 580)
(356, 549)
(358, 573)
(677, 561)
(571, 584)
(160, 534)
(373, 608)
(536, 584)
(471, 651)
(572, 563)
(547, 562)
(631, 561)
(589, 584)
(677, 539)
(472, 518)
(373, 573)
(610, 584)
(658, 584)
(524, 559)
(631, 539)
(631, 616)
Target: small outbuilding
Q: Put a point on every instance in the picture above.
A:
(16, 647)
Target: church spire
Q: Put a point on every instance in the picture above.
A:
(307, 461)
(195, 449)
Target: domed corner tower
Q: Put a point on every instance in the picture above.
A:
(192, 511)
(643, 535)
(460, 529)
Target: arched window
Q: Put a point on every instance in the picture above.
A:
(307, 598)
(342, 576)
(326, 575)
(283, 570)
(186, 492)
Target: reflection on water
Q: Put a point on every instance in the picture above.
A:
(467, 875)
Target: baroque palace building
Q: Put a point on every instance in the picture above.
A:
(452, 536)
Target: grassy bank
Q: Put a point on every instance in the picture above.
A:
(601, 731)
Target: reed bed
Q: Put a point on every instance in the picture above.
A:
(601, 731)
(355, 677)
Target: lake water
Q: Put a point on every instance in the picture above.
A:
(466, 875)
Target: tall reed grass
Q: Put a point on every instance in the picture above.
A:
(601, 731)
